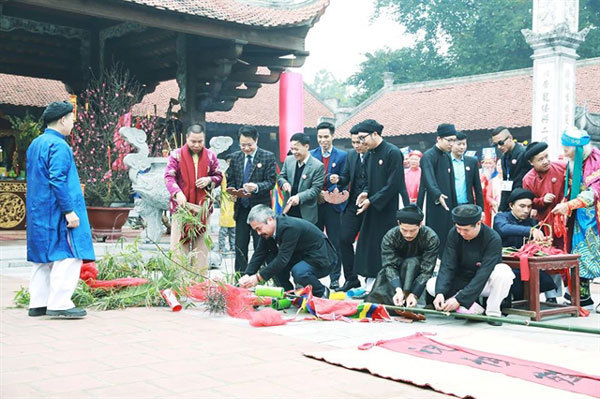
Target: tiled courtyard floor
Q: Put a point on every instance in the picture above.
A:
(157, 353)
(153, 352)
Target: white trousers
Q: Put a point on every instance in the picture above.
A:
(496, 288)
(52, 284)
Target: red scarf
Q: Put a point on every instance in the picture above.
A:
(193, 194)
(189, 176)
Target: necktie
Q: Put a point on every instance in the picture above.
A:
(247, 168)
(246, 201)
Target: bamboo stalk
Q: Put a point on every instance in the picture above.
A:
(506, 320)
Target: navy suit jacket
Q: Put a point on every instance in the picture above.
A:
(337, 160)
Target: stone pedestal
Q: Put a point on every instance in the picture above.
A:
(554, 40)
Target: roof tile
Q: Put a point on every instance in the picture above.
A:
(31, 92)
(258, 13)
(471, 103)
(260, 110)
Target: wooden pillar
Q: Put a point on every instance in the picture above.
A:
(188, 82)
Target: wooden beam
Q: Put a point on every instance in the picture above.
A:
(241, 93)
(144, 39)
(32, 60)
(221, 69)
(275, 62)
(32, 49)
(273, 77)
(23, 39)
(121, 11)
(34, 72)
(157, 47)
(219, 106)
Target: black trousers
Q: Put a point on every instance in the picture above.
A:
(330, 220)
(350, 226)
(304, 274)
(242, 239)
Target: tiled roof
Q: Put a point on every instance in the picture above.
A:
(157, 102)
(260, 110)
(31, 92)
(471, 103)
(264, 13)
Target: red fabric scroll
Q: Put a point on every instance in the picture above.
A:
(421, 345)
(89, 273)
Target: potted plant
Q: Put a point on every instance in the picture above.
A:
(99, 149)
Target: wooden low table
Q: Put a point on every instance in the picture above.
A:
(531, 306)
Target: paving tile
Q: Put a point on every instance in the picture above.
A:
(131, 390)
(18, 390)
(70, 382)
(156, 353)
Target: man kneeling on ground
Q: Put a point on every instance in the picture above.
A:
(514, 227)
(288, 245)
(471, 267)
(408, 255)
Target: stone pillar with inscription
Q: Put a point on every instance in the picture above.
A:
(554, 39)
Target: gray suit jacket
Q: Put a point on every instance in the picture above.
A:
(311, 184)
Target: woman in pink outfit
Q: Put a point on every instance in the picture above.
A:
(412, 175)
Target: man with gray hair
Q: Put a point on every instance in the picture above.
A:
(288, 245)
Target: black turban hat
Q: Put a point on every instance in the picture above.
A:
(520, 193)
(461, 136)
(445, 130)
(367, 126)
(464, 215)
(410, 214)
(534, 148)
(56, 110)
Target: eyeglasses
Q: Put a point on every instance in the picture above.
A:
(449, 140)
(361, 139)
(500, 143)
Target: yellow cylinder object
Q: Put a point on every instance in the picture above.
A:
(338, 296)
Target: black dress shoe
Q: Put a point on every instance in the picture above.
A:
(495, 323)
(73, 313)
(35, 312)
(334, 286)
(348, 285)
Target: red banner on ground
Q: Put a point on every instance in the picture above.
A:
(421, 345)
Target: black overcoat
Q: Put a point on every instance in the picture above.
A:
(383, 177)
(437, 177)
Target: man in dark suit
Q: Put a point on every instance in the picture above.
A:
(329, 214)
(351, 222)
(302, 178)
(253, 170)
(288, 245)
(466, 173)
(514, 164)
